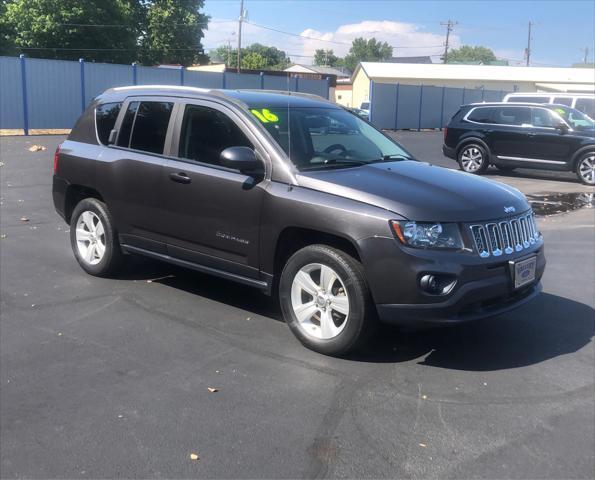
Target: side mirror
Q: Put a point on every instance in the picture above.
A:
(242, 159)
(562, 127)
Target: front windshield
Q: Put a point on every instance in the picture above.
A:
(575, 118)
(322, 138)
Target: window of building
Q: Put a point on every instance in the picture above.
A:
(206, 132)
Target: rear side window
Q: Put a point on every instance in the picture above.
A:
(144, 126)
(481, 115)
(563, 101)
(586, 105)
(519, 99)
(512, 116)
(105, 119)
(126, 127)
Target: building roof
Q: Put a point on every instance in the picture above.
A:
(378, 70)
(424, 59)
(316, 69)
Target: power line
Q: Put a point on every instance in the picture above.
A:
(296, 34)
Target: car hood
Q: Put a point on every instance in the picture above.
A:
(419, 191)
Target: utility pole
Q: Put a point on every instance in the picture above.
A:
(586, 54)
(240, 20)
(449, 26)
(528, 49)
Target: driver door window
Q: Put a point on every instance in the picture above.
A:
(206, 132)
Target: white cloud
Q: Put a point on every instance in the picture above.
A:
(408, 39)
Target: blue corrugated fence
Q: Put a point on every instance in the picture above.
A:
(43, 94)
(394, 106)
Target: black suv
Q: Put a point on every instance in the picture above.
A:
(292, 194)
(511, 135)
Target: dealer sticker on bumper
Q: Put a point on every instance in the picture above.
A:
(524, 272)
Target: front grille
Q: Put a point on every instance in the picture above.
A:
(505, 237)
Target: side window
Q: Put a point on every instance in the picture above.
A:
(150, 126)
(512, 115)
(105, 118)
(481, 115)
(540, 117)
(563, 101)
(586, 105)
(126, 127)
(528, 99)
(206, 132)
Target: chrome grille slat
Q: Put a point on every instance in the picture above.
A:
(505, 237)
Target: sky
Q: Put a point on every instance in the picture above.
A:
(561, 30)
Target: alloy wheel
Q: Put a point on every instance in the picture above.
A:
(90, 237)
(471, 159)
(586, 169)
(320, 302)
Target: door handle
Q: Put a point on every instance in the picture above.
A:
(180, 177)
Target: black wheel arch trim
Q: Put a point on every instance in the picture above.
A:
(579, 154)
(467, 140)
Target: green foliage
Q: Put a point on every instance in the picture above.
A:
(36, 27)
(326, 58)
(254, 57)
(154, 31)
(173, 32)
(371, 50)
(470, 54)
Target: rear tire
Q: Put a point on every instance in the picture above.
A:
(473, 158)
(93, 238)
(325, 300)
(585, 168)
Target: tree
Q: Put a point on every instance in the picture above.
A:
(470, 54)
(58, 29)
(174, 29)
(325, 58)
(254, 57)
(371, 50)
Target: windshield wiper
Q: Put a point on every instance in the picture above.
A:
(334, 163)
(389, 158)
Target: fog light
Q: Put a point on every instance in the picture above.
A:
(429, 283)
(437, 284)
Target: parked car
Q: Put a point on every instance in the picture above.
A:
(507, 135)
(584, 102)
(253, 187)
(365, 107)
(365, 114)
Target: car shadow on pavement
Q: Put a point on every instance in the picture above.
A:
(203, 285)
(546, 328)
(530, 174)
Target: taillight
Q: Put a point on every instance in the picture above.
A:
(445, 132)
(56, 159)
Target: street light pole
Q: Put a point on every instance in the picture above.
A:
(240, 20)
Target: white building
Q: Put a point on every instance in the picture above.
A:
(506, 78)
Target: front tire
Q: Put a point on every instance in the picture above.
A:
(325, 300)
(473, 158)
(585, 169)
(93, 238)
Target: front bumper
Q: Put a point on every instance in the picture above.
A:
(483, 288)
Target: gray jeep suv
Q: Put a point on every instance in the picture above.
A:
(292, 194)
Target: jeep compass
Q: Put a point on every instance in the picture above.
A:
(295, 196)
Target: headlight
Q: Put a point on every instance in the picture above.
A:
(428, 235)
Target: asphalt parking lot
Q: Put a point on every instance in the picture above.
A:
(105, 378)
